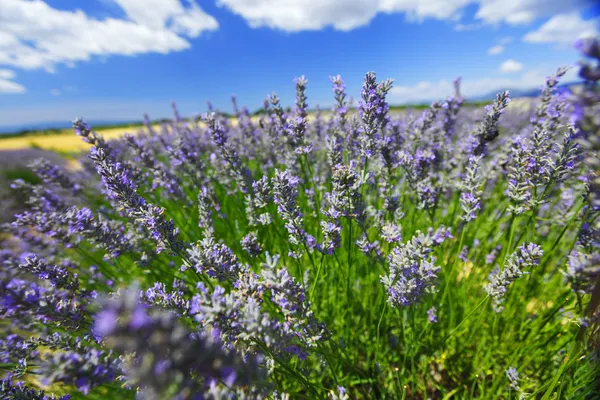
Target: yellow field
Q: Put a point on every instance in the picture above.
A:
(66, 141)
(69, 142)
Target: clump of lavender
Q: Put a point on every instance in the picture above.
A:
(299, 125)
(251, 245)
(163, 357)
(58, 276)
(513, 377)
(161, 176)
(205, 212)
(470, 197)
(238, 171)
(373, 110)
(488, 130)
(526, 256)
(18, 390)
(583, 269)
(122, 190)
(216, 315)
(262, 197)
(519, 184)
(412, 268)
(432, 315)
(332, 237)
(345, 200)
(391, 233)
(29, 303)
(213, 259)
(84, 370)
(336, 136)
(285, 193)
(52, 174)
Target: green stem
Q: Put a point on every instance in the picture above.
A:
(312, 292)
(467, 317)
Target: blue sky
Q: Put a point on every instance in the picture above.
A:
(116, 59)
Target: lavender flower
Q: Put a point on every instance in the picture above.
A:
(205, 211)
(161, 177)
(470, 197)
(332, 237)
(165, 356)
(298, 125)
(336, 136)
(58, 276)
(583, 269)
(18, 390)
(214, 259)
(339, 395)
(488, 130)
(29, 302)
(513, 377)
(84, 370)
(518, 179)
(526, 256)
(390, 232)
(432, 315)
(464, 254)
(237, 170)
(52, 174)
(589, 47)
(285, 193)
(85, 131)
(251, 245)
(373, 112)
(412, 268)
(345, 200)
(124, 192)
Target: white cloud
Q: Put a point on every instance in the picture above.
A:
(467, 27)
(426, 91)
(517, 12)
(34, 35)
(510, 66)
(343, 15)
(160, 14)
(499, 48)
(55, 92)
(563, 29)
(6, 74)
(495, 50)
(7, 86)
(299, 15)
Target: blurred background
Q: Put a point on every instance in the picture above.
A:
(111, 61)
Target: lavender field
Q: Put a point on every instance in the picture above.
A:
(450, 253)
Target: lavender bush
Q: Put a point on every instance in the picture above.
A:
(452, 253)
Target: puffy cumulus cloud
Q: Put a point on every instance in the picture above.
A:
(7, 86)
(34, 35)
(299, 15)
(563, 29)
(343, 15)
(510, 66)
(160, 14)
(526, 11)
(426, 91)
